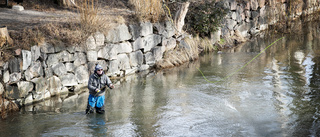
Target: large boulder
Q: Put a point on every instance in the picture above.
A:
(146, 29)
(65, 56)
(26, 59)
(14, 77)
(12, 91)
(80, 59)
(124, 62)
(35, 53)
(124, 47)
(109, 52)
(59, 69)
(150, 60)
(46, 48)
(118, 34)
(169, 44)
(24, 87)
(91, 43)
(53, 59)
(100, 38)
(68, 80)
(113, 68)
(35, 70)
(6, 76)
(92, 56)
(15, 65)
(81, 74)
(41, 85)
(136, 58)
(54, 85)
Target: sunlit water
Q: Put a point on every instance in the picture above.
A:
(277, 95)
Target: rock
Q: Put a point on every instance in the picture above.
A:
(41, 85)
(1, 89)
(143, 67)
(169, 29)
(158, 52)
(215, 36)
(169, 44)
(69, 67)
(6, 76)
(255, 14)
(81, 74)
(109, 52)
(151, 41)
(14, 77)
(35, 53)
(146, 29)
(54, 85)
(53, 59)
(92, 56)
(59, 69)
(17, 8)
(15, 64)
(24, 87)
(123, 47)
(26, 59)
(64, 91)
(254, 5)
(59, 47)
(261, 3)
(80, 88)
(118, 34)
(124, 63)
(80, 59)
(35, 70)
(136, 58)
(138, 44)
(243, 28)
(12, 91)
(91, 44)
(135, 31)
(65, 56)
(230, 24)
(233, 5)
(48, 72)
(150, 60)
(100, 38)
(68, 80)
(28, 99)
(113, 68)
(159, 28)
(46, 48)
(238, 37)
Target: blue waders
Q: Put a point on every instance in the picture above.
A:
(95, 102)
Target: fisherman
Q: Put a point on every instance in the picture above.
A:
(98, 81)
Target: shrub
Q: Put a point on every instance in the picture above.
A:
(148, 10)
(205, 17)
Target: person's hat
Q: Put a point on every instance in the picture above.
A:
(98, 67)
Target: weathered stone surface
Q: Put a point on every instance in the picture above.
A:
(35, 53)
(169, 44)
(118, 34)
(233, 5)
(151, 41)
(136, 58)
(6, 76)
(135, 31)
(231, 23)
(68, 80)
(80, 59)
(92, 56)
(261, 3)
(91, 43)
(109, 52)
(233, 15)
(123, 47)
(146, 29)
(14, 77)
(138, 44)
(24, 87)
(15, 65)
(12, 91)
(64, 91)
(59, 47)
(35, 70)
(158, 52)
(59, 69)
(69, 67)
(81, 74)
(123, 61)
(46, 48)
(215, 36)
(53, 59)
(80, 88)
(54, 85)
(65, 56)
(113, 68)
(169, 29)
(1, 89)
(28, 99)
(255, 14)
(243, 28)
(150, 60)
(17, 8)
(143, 67)
(26, 59)
(254, 4)
(48, 72)
(159, 28)
(41, 84)
(100, 38)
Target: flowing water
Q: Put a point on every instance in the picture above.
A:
(276, 95)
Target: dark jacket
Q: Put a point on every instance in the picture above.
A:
(97, 82)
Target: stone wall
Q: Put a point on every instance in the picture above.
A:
(249, 17)
(48, 70)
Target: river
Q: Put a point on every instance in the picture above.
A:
(276, 95)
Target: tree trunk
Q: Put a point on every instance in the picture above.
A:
(180, 16)
(4, 36)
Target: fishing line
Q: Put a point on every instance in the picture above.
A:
(239, 68)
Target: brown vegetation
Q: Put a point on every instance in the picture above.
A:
(6, 107)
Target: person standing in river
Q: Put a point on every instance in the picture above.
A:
(98, 81)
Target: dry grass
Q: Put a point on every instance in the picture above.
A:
(148, 10)
(7, 108)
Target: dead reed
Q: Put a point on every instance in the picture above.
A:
(148, 10)
(7, 107)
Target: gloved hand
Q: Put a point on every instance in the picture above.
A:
(97, 90)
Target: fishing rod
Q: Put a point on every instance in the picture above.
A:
(239, 68)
